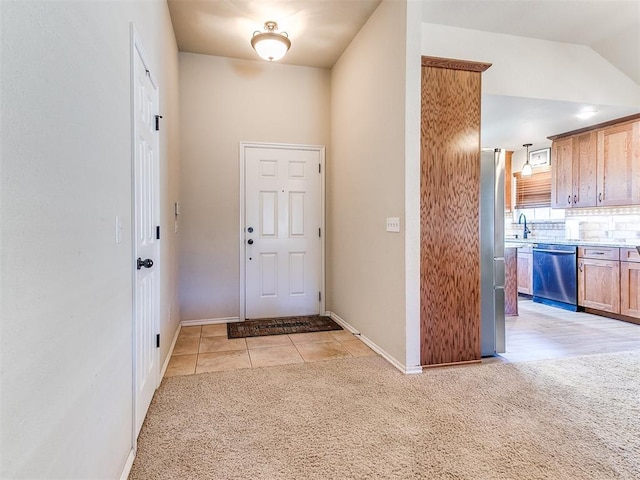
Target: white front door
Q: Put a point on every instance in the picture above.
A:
(282, 237)
(146, 244)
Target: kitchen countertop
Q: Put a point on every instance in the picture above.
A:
(522, 242)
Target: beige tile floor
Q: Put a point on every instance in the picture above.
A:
(206, 348)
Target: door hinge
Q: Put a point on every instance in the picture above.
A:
(158, 340)
(319, 296)
(320, 232)
(158, 232)
(158, 117)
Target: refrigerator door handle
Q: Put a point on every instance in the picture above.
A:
(499, 272)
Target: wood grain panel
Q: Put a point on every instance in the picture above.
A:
(599, 284)
(525, 271)
(629, 118)
(454, 64)
(629, 255)
(449, 215)
(508, 180)
(618, 175)
(630, 289)
(584, 170)
(511, 281)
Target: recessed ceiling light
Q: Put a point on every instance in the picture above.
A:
(586, 113)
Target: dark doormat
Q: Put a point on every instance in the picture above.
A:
(280, 326)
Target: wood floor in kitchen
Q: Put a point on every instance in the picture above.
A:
(543, 332)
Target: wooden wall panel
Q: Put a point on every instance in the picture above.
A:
(450, 231)
(511, 281)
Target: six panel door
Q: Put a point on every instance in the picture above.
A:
(283, 249)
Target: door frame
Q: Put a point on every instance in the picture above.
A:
(137, 48)
(241, 231)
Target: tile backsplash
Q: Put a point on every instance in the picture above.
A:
(619, 224)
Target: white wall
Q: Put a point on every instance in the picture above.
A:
(531, 68)
(366, 181)
(65, 285)
(225, 101)
(413, 113)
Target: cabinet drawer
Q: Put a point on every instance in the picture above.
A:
(629, 255)
(602, 253)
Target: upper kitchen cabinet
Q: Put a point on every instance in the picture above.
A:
(562, 173)
(618, 177)
(573, 171)
(597, 166)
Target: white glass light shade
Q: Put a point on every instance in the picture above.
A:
(527, 171)
(270, 46)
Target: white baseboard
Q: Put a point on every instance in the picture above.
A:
(209, 321)
(344, 324)
(128, 465)
(169, 353)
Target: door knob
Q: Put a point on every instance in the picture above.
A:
(148, 263)
(250, 241)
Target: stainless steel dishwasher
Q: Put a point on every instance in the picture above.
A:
(555, 275)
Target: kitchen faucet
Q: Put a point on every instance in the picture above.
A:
(526, 230)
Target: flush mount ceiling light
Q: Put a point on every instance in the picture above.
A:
(526, 168)
(270, 45)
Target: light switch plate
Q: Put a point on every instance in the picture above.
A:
(393, 224)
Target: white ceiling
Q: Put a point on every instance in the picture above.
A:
(609, 27)
(320, 30)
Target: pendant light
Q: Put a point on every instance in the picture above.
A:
(526, 168)
(270, 45)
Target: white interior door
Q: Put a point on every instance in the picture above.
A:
(282, 231)
(146, 245)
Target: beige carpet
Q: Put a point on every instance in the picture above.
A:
(362, 419)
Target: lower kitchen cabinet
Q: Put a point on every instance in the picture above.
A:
(630, 282)
(525, 271)
(599, 279)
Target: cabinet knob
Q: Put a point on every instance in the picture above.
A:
(600, 197)
(580, 266)
(569, 199)
(575, 199)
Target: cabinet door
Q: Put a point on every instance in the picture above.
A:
(508, 180)
(584, 170)
(562, 173)
(525, 273)
(599, 284)
(630, 289)
(618, 165)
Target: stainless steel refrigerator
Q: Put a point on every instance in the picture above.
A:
(492, 268)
